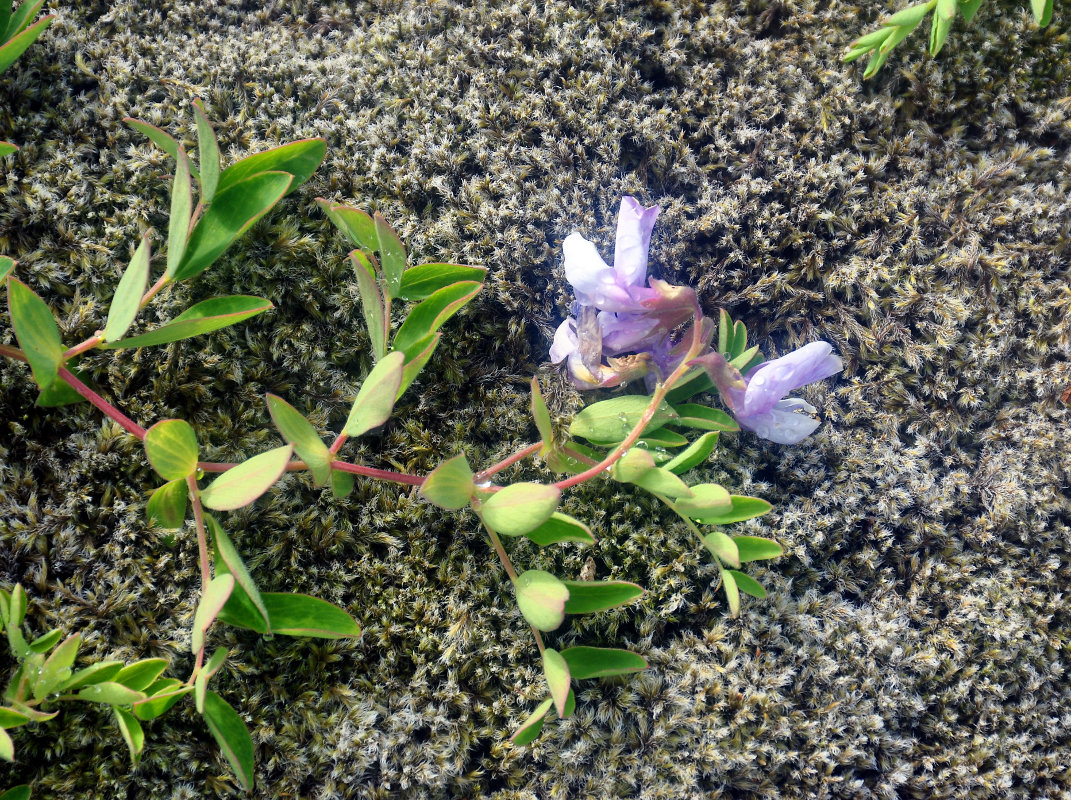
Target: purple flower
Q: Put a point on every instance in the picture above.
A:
(758, 400)
(616, 314)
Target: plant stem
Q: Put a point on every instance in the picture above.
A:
(520, 455)
(156, 287)
(12, 352)
(93, 341)
(381, 474)
(202, 536)
(107, 408)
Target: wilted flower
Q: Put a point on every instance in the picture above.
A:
(615, 313)
(758, 400)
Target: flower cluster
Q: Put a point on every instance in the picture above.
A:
(622, 330)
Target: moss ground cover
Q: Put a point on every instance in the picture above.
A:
(914, 642)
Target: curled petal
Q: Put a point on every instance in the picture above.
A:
(771, 381)
(565, 341)
(783, 424)
(634, 226)
(594, 283)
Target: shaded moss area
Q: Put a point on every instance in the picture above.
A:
(916, 639)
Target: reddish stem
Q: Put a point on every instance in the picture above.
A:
(520, 455)
(105, 407)
(381, 474)
(93, 341)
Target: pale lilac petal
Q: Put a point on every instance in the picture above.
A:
(584, 267)
(634, 226)
(622, 333)
(565, 341)
(783, 423)
(771, 381)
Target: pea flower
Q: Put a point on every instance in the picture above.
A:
(758, 401)
(616, 316)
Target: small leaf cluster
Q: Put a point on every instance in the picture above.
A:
(17, 34)
(902, 24)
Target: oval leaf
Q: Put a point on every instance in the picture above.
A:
(561, 528)
(232, 736)
(520, 508)
(693, 415)
(600, 662)
(171, 446)
(133, 735)
(233, 212)
(541, 598)
(124, 307)
(556, 672)
(419, 355)
(391, 255)
(36, 331)
(57, 667)
(588, 596)
(707, 498)
(450, 484)
(241, 485)
(421, 282)
(300, 159)
(722, 547)
(299, 432)
(748, 585)
(697, 452)
(302, 615)
(430, 315)
(613, 420)
(178, 225)
(741, 508)
(113, 694)
(205, 317)
(94, 673)
(755, 548)
(167, 506)
(215, 595)
(141, 674)
(375, 400)
(531, 727)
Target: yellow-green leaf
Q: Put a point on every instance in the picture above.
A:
(171, 446)
(241, 485)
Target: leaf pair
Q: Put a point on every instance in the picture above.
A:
(544, 600)
(16, 33)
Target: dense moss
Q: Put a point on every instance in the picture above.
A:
(916, 636)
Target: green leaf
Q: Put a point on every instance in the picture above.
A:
(245, 593)
(12, 718)
(969, 8)
(693, 415)
(748, 585)
(756, 548)
(299, 432)
(742, 508)
(14, 607)
(520, 508)
(18, 21)
(6, 149)
(697, 452)
(20, 792)
(542, 417)
(16, 46)
(911, 16)
(541, 598)
(124, 307)
(722, 547)
(207, 154)
(391, 255)
(5, 18)
(109, 693)
(36, 331)
(613, 420)
(695, 382)
(298, 159)
(430, 315)
(241, 485)
(421, 282)
(301, 615)
(375, 400)
(531, 727)
(588, 596)
(141, 674)
(376, 315)
(95, 673)
(418, 356)
(178, 225)
(358, 226)
(213, 599)
(232, 736)
(57, 668)
(7, 264)
(233, 212)
(171, 446)
(42, 644)
(663, 482)
(561, 528)
(601, 662)
(61, 393)
(633, 465)
(163, 694)
(556, 672)
(205, 317)
(133, 735)
(341, 483)
(747, 360)
(160, 138)
(450, 484)
(732, 592)
(200, 684)
(7, 746)
(167, 505)
(939, 31)
(706, 499)
(1038, 7)
(726, 332)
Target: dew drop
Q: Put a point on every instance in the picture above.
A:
(200, 474)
